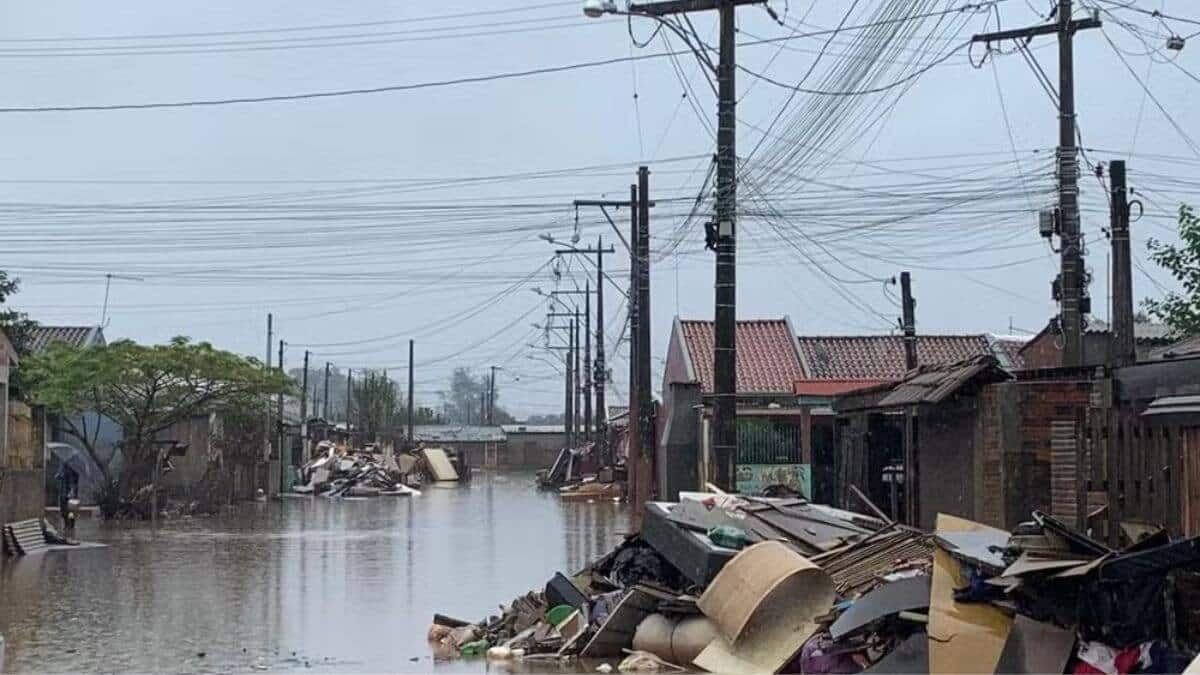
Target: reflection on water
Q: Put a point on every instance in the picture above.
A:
(303, 584)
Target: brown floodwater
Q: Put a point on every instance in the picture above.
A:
(298, 585)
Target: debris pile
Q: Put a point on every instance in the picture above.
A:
(752, 585)
(339, 473)
(578, 474)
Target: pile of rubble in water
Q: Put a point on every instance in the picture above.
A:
(579, 474)
(368, 473)
(759, 585)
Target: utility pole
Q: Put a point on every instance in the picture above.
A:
(572, 333)
(1123, 341)
(349, 400)
(600, 373)
(633, 429)
(580, 435)
(267, 421)
(587, 362)
(909, 322)
(325, 395)
(491, 418)
(1070, 285)
(282, 435)
(304, 410)
(645, 398)
(410, 392)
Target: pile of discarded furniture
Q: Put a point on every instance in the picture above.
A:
(578, 475)
(729, 584)
(335, 473)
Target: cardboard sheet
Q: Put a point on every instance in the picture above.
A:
(963, 637)
(439, 464)
(763, 603)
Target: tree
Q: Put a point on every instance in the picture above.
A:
(378, 403)
(16, 325)
(1180, 311)
(545, 420)
(144, 389)
(464, 401)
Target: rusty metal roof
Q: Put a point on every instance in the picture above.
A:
(934, 384)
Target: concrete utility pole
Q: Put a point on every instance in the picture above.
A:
(572, 378)
(267, 421)
(633, 430)
(1124, 345)
(587, 363)
(491, 395)
(1070, 285)
(410, 392)
(909, 322)
(282, 436)
(600, 373)
(349, 400)
(725, 326)
(325, 395)
(304, 409)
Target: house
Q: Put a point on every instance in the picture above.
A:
(479, 446)
(771, 428)
(22, 447)
(1044, 350)
(532, 446)
(836, 365)
(104, 435)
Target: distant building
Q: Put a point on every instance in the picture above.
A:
(22, 447)
(1044, 350)
(479, 446)
(532, 446)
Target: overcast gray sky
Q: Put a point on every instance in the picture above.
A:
(348, 217)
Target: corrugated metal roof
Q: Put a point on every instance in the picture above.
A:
(1173, 405)
(767, 360)
(533, 428)
(74, 336)
(934, 384)
(449, 433)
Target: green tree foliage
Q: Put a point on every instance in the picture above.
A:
(378, 404)
(16, 325)
(1180, 311)
(144, 389)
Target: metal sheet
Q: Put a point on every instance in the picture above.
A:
(1036, 647)
(981, 547)
(898, 596)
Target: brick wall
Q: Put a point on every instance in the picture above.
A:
(1015, 436)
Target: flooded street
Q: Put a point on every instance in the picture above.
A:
(305, 584)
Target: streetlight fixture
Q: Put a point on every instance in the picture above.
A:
(598, 8)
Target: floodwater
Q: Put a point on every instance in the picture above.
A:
(303, 585)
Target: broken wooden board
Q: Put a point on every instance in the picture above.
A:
(439, 464)
(616, 633)
(963, 637)
(765, 604)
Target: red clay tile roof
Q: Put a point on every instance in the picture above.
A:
(881, 357)
(766, 355)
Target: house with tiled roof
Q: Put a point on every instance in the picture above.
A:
(786, 385)
(1044, 350)
(770, 426)
(41, 337)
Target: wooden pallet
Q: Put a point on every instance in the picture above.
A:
(25, 537)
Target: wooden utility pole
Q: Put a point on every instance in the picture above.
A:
(491, 397)
(410, 392)
(349, 401)
(1070, 285)
(570, 420)
(909, 322)
(1124, 345)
